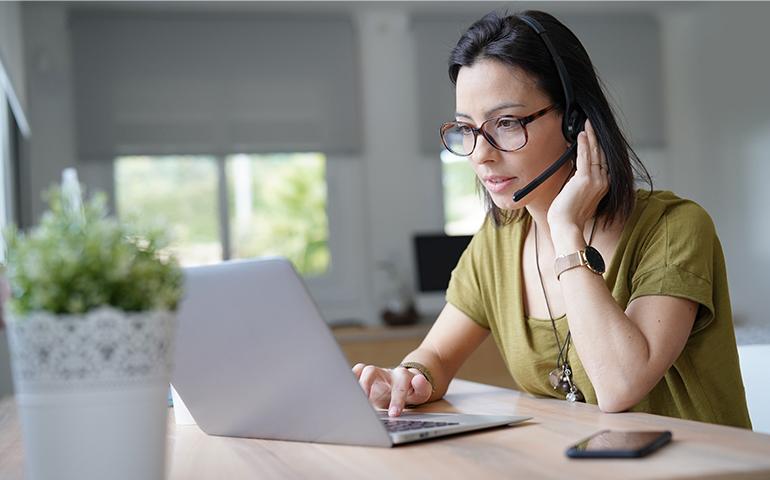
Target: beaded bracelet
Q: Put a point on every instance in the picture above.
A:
(424, 371)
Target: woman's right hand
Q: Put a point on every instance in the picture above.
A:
(393, 388)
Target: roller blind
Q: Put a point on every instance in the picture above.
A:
(625, 49)
(210, 84)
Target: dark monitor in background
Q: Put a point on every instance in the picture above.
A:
(436, 255)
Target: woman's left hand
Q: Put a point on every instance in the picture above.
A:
(577, 201)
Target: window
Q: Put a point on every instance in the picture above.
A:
(235, 206)
(463, 206)
(179, 191)
(277, 206)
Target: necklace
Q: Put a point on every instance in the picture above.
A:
(560, 378)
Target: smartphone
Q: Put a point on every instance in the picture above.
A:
(615, 444)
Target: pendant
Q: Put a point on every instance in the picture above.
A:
(575, 395)
(554, 377)
(559, 380)
(566, 385)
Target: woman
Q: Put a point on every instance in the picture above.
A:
(652, 333)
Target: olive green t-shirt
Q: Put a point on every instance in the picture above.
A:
(668, 246)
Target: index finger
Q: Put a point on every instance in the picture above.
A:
(399, 390)
(583, 155)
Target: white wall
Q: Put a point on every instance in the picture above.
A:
(402, 188)
(708, 72)
(719, 129)
(48, 65)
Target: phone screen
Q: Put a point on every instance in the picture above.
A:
(610, 443)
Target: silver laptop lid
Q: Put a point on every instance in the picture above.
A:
(253, 358)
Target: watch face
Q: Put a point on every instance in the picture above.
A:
(594, 259)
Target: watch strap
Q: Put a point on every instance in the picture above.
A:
(589, 256)
(568, 262)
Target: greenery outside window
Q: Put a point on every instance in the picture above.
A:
(463, 206)
(235, 206)
(277, 206)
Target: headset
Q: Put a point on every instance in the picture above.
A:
(574, 116)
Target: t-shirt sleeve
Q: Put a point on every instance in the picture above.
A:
(465, 289)
(678, 260)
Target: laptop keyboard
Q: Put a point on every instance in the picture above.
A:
(406, 425)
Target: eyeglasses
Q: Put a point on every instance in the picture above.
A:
(506, 133)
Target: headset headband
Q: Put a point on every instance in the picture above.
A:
(566, 84)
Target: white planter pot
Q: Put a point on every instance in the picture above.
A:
(91, 391)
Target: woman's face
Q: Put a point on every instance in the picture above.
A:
(489, 89)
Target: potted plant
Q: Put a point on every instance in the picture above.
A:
(91, 324)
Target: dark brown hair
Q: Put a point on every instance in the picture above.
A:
(507, 39)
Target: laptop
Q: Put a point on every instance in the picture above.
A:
(255, 359)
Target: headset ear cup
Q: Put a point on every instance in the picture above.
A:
(573, 124)
(568, 126)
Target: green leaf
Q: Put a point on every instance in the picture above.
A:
(75, 260)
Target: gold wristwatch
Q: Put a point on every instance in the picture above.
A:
(589, 257)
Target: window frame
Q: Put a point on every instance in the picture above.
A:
(7, 207)
(341, 292)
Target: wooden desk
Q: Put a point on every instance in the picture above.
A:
(534, 449)
(387, 346)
